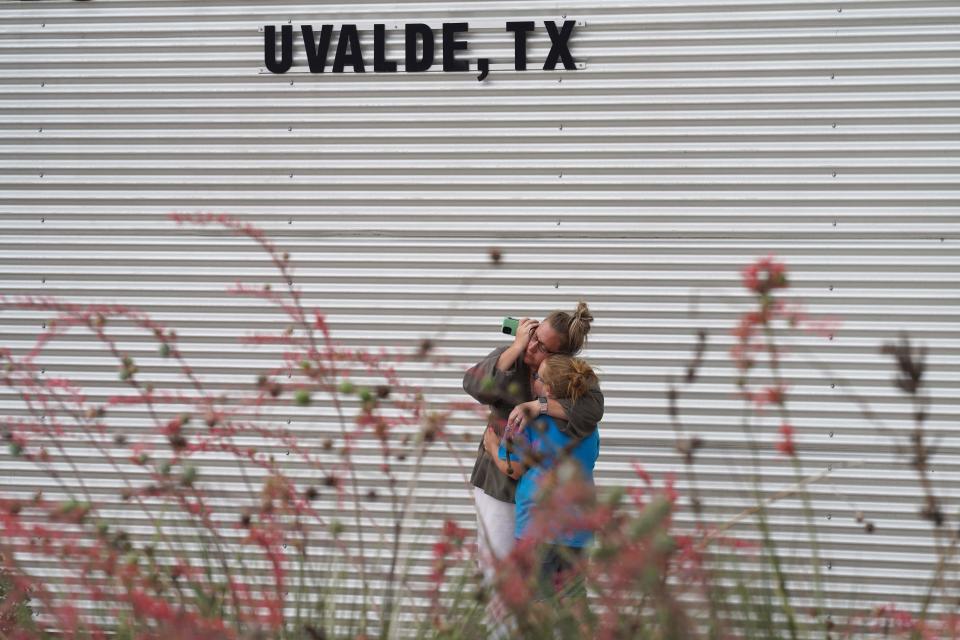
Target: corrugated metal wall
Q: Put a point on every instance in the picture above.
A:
(693, 137)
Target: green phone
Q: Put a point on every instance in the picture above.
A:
(510, 326)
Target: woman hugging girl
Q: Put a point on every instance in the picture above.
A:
(535, 455)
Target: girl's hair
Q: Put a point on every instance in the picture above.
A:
(568, 377)
(574, 327)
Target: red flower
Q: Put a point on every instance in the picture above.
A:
(765, 275)
(786, 446)
(770, 395)
(901, 621)
(751, 277)
(669, 490)
(454, 533)
(642, 474)
(440, 549)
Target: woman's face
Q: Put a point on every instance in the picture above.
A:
(544, 342)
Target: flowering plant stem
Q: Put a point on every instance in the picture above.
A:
(774, 360)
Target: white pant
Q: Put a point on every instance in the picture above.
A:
(496, 521)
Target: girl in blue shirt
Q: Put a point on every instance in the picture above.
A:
(532, 454)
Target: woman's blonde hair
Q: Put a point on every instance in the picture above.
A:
(573, 327)
(568, 377)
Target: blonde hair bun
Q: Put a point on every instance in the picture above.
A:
(574, 327)
(568, 377)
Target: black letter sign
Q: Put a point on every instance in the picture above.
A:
(380, 62)
(317, 54)
(558, 47)
(348, 37)
(451, 45)
(424, 33)
(520, 30)
(270, 48)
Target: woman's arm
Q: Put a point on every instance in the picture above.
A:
(483, 381)
(491, 445)
(581, 417)
(515, 351)
(496, 378)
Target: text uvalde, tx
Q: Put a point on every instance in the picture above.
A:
(419, 44)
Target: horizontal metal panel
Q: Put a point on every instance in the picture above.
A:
(691, 138)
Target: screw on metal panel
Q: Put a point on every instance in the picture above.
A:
(834, 223)
(830, 337)
(832, 76)
(556, 285)
(561, 127)
(42, 220)
(43, 84)
(289, 221)
(829, 564)
(289, 128)
(834, 174)
(833, 386)
(41, 175)
(829, 516)
(291, 175)
(559, 80)
(40, 130)
(834, 125)
(43, 281)
(291, 83)
(839, 10)
(831, 434)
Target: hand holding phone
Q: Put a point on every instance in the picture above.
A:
(521, 331)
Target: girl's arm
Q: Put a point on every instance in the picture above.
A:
(512, 468)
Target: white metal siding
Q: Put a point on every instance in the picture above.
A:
(696, 136)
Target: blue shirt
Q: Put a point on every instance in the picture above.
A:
(547, 444)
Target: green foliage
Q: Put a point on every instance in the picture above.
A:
(19, 614)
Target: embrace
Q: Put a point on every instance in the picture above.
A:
(545, 404)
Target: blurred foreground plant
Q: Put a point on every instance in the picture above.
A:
(646, 579)
(199, 569)
(205, 577)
